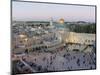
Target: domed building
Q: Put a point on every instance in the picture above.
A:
(61, 21)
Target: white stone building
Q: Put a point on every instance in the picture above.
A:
(81, 38)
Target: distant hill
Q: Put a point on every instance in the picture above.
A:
(80, 28)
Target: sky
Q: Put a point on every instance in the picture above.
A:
(30, 11)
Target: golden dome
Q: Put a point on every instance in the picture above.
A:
(61, 21)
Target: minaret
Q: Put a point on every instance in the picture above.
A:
(51, 22)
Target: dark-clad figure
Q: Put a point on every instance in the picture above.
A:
(26, 51)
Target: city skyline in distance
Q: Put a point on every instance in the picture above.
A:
(30, 11)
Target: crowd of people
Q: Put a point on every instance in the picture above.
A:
(60, 60)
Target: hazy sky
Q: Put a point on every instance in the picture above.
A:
(43, 11)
